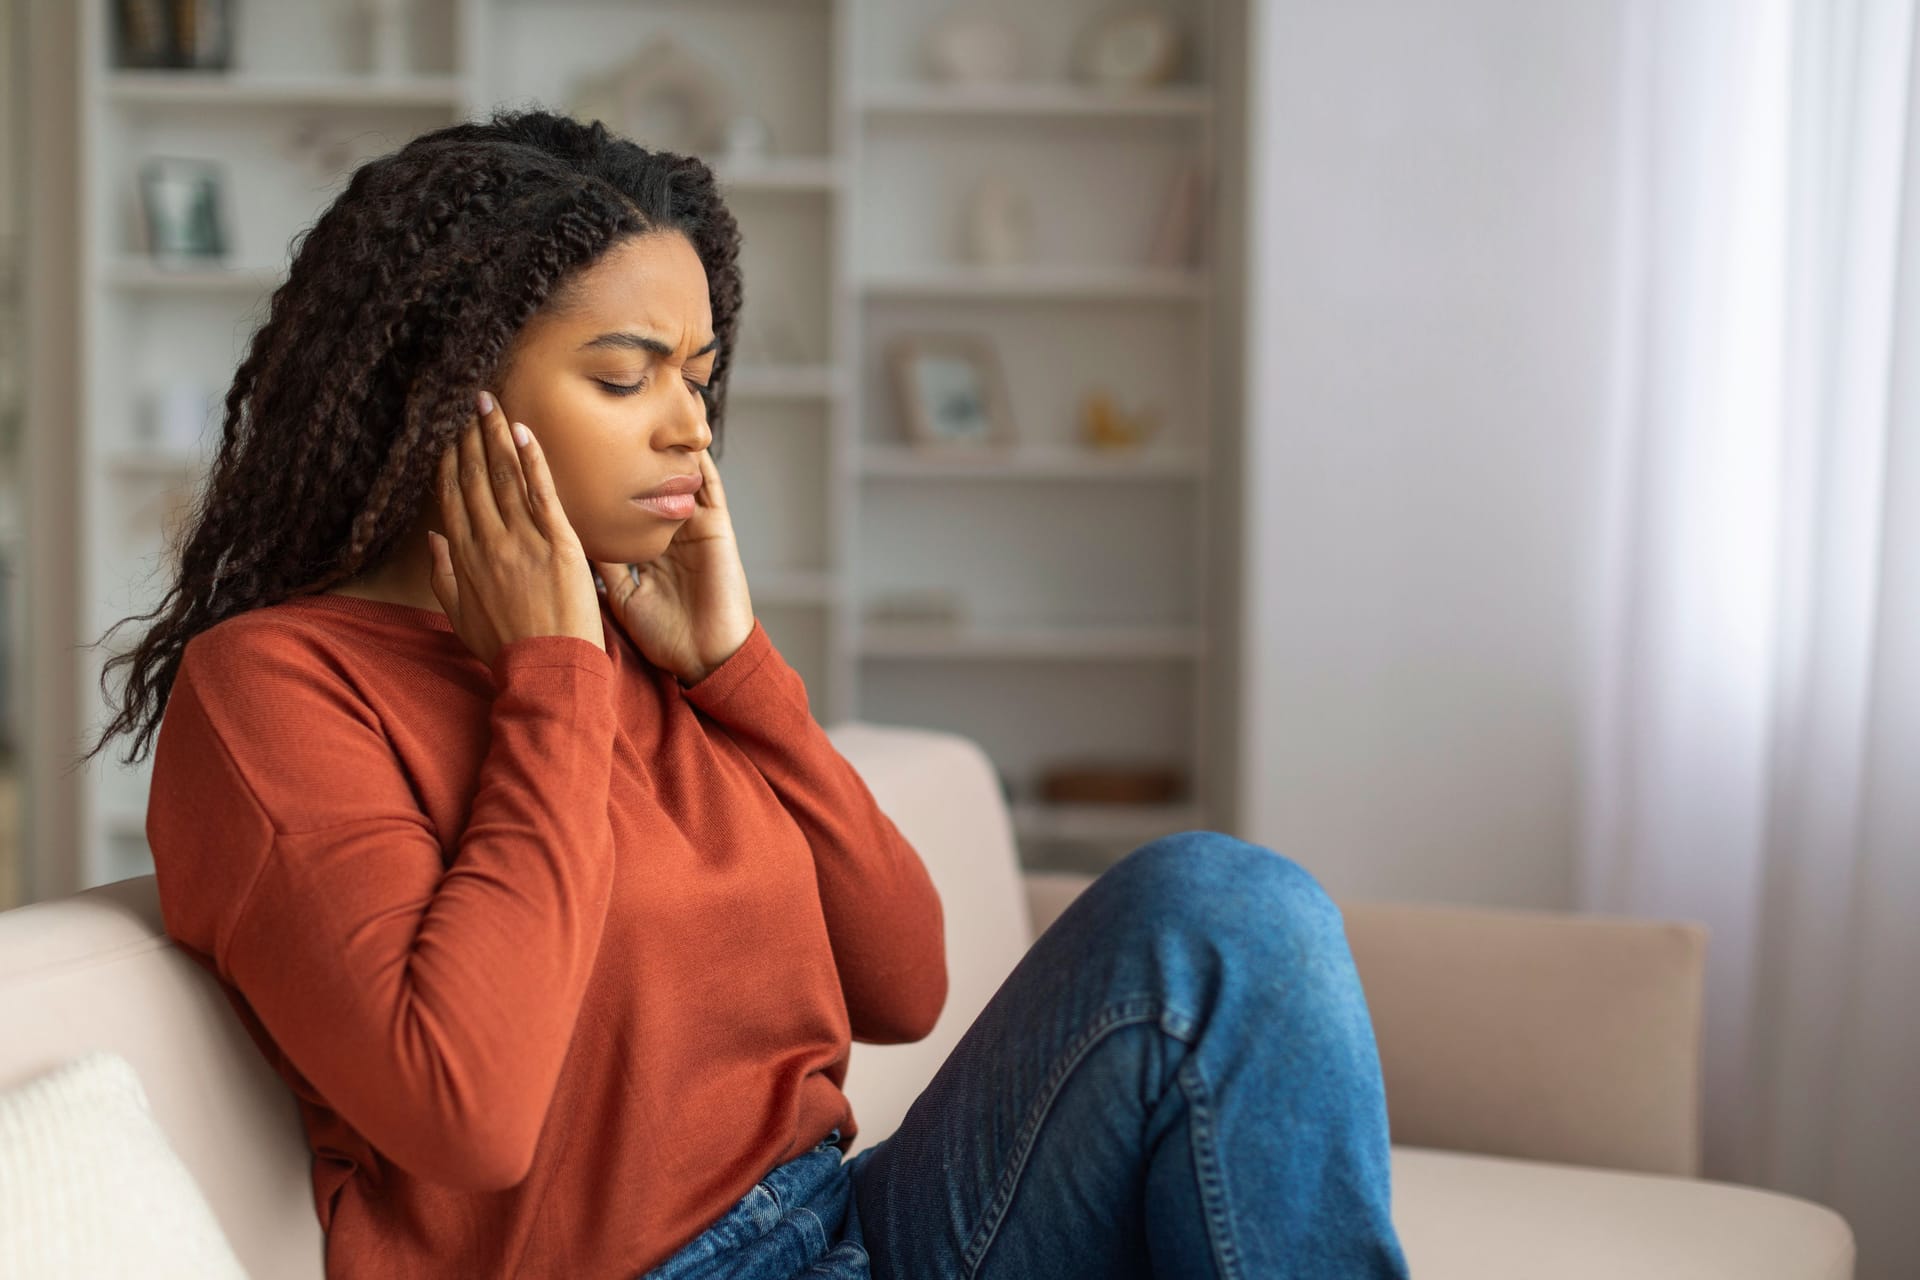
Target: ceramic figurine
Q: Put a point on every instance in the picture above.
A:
(973, 49)
(999, 219)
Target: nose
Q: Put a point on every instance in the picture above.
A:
(686, 426)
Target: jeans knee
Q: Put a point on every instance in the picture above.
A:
(1226, 914)
(1224, 881)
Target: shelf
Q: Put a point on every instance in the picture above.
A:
(623, 5)
(1032, 99)
(779, 173)
(843, 247)
(790, 586)
(150, 275)
(1065, 641)
(243, 89)
(783, 382)
(1098, 283)
(1041, 820)
(1033, 462)
(159, 464)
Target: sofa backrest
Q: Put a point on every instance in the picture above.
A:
(1542, 1035)
(941, 790)
(96, 970)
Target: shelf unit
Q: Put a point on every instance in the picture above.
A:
(1090, 616)
(14, 785)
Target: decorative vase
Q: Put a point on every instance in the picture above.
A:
(998, 221)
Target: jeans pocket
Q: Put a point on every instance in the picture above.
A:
(845, 1261)
(751, 1217)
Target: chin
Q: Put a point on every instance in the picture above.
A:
(629, 549)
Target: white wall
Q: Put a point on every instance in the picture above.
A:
(1427, 321)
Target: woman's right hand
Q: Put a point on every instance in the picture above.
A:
(509, 565)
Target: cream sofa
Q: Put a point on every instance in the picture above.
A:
(1542, 1071)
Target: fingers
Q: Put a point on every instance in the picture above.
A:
(443, 580)
(476, 479)
(616, 580)
(543, 501)
(506, 489)
(712, 492)
(454, 519)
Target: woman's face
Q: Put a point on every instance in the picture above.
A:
(608, 380)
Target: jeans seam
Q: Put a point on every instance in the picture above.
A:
(1119, 1014)
(1207, 1169)
(819, 1227)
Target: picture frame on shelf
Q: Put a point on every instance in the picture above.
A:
(952, 393)
(182, 206)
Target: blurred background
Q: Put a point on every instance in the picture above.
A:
(1467, 446)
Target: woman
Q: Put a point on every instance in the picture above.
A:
(512, 839)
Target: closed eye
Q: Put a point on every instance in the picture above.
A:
(703, 390)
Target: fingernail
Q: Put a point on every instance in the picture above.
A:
(485, 402)
(521, 433)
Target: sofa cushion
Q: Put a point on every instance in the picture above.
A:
(1469, 1217)
(90, 1186)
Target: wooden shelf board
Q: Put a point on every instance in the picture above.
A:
(153, 276)
(161, 463)
(1043, 820)
(249, 89)
(783, 381)
(791, 586)
(1035, 280)
(905, 462)
(779, 173)
(1063, 641)
(1033, 99)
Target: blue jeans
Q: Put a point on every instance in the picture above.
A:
(1179, 1079)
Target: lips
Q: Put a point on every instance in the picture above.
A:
(672, 499)
(677, 485)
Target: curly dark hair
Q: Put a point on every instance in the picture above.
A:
(401, 303)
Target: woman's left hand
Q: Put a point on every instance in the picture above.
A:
(688, 611)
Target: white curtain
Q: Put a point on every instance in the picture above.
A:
(1754, 752)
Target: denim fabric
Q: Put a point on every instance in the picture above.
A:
(1179, 1079)
(793, 1223)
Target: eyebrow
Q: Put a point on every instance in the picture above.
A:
(641, 342)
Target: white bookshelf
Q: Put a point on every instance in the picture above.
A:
(1030, 101)
(252, 89)
(1066, 283)
(1091, 615)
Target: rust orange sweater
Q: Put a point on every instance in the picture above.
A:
(559, 957)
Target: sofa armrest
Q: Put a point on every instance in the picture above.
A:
(1048, 893)
(1537, 1034)
(1534, 1034)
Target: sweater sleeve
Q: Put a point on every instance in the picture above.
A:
(425, 983)
(883, 912)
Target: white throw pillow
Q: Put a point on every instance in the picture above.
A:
(90, 1186)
